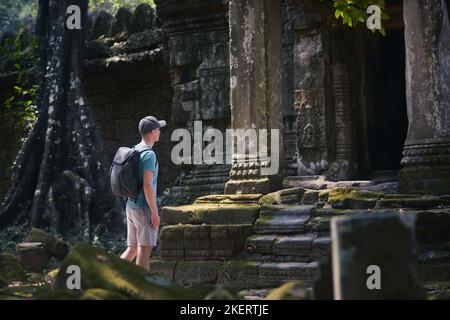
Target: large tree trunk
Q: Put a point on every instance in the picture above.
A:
(60, 178)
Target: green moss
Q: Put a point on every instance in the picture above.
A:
(102, 294)
(210, 213)
(18, 293)
(59, 294)
(337, 194)
(10, 269)
(52, 245)
(324, 194)
(270, 198)
(24, 291)
(100, 269)
(294, 290)
(229, 199)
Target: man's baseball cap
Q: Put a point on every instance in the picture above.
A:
(147, 124)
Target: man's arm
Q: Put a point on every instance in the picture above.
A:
(150, 196)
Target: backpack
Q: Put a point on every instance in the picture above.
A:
(124, 172)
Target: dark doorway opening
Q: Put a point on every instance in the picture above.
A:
(387, 121)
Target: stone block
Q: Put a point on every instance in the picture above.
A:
(197, 272)
(411, 201)
(298, 245)
(171, 254)
(99, 269)
(310, 197)
(53, 245)
(197, 237)
(33, 256)
(374, 257)
(220, 238)
(10, 269)
(122, 21)
(261, 244)
(143, 17)
(288, 270)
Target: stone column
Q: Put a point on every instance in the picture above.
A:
(312, 99)
(255, 70)
(344, 167)
(426, 161)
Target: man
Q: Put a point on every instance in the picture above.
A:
(142, 212)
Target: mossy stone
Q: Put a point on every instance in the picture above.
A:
(52, 245)
(353, 198)
(99, 269)
(10, 269)
(220, 293)
(294, 290)
(102, 294)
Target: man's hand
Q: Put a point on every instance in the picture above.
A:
(155, 221)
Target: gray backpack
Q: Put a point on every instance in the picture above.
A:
(124, 173)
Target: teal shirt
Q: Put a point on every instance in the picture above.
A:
(148, 162)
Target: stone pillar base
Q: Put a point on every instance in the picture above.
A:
(248, 186)
(426, 169)
(246, 178)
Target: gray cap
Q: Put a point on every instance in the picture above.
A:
(147, 124)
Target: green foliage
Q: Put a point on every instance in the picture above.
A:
(17, 13)
(353, 12)
(113, 5)
(21, 55)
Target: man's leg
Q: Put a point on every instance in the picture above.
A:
(130, 253)
(143, 257)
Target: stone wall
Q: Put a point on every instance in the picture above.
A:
(198, 44)
(128, 78)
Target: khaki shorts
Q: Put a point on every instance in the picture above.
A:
(139, 231)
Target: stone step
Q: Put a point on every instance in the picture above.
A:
(230, 199)
(434, 272)
(199, 188)
(299, 247)
(280, 225)
(237, 273)
(203, 242)
(282, 219)
(208, 181)
(33, 256)
(273, 272)
(214, 209)
(320, 248)
(268, 211)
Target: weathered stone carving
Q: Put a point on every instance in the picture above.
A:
(198, 42)
(311, 101)
(102, 25)
(143, 17)
(122, 21)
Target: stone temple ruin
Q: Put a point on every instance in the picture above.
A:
(358, 136)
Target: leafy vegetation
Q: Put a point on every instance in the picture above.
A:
(15, 14)
(354, 12)
(20, 56)
(113, 5)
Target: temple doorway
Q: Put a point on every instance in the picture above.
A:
(386, 112)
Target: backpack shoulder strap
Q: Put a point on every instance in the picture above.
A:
(144, 150)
